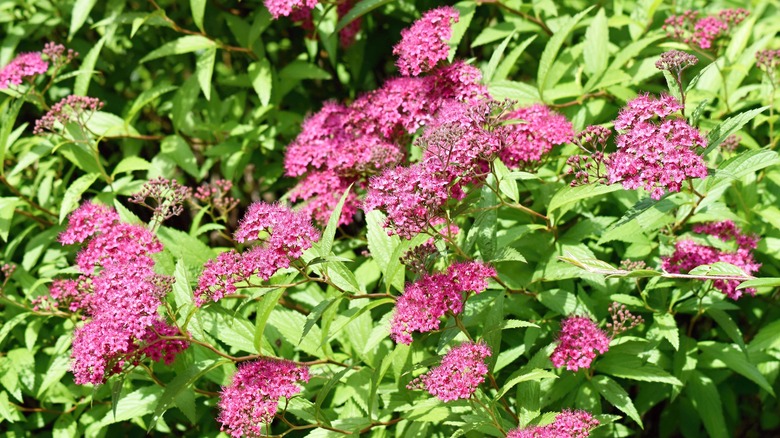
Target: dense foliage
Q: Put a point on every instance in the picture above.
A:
(390, 218)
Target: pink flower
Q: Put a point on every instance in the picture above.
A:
(290, 233)
(25, 65)
(538, 130)
(424, 44)
(689, 254)
(88, 219)
(279, 8)
(703, 32)
(430, 297)
(71, 108)
(459, 374)
(657, 156)
(567, 424)
(253, 395)
(578, 341)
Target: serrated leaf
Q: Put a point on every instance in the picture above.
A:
(524, 94)
(198, 8)
(760, 282)
(522, 375)
(632, 367)
(204, 69)
(739, 166)
(595, 50)
(718, 269)
(261, 75)
(508, 254)
(706, 400)
(568, 195)
(72, 196)
(383, 247)
(329, 234)
(491, 66)
(729, 126)
(617, 396)
(667, 327)
(79, 14)
(177, 149)
(737, 361)
(466, 13)
(766, 339)
(728, 325)
(130, 164)
(182, 45)
(551, 51)
(503, 69)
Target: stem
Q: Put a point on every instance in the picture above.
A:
(29, 201)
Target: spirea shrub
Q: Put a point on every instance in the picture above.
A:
(409, 219)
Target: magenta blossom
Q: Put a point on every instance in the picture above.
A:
(26, 65)
(567, 424)
(424, 44)
(459, 374)
(279, 8)
(578, 342)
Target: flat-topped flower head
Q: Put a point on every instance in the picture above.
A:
(578, 342)
(88, 219)
(533, 132)
(459, 374)
(689, 254)
(675, 61)
(424, 44)
(167, 198)
(289, 232)
(425, 301)
(655, 151)
(703, 32)
(70, 109)
(251, 399)
(567, 424)
(26, 65)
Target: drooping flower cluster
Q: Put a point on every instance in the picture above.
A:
(590, 167)
(424, 44)
(279, 8)
(429, 298)
(118, 293)
(168, 198)
(26, 65)
(655, 155)
(536, 131)
(567, 424)
(578, 342)
(703, 32)
(689, 254)
(70, 109)
(345, 145)
(284, 234)
(457, 147)
(459, 374)
(253, 395)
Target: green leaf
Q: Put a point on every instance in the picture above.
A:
(8, 121)
(79, 15)
(486, 223)
(567, 195)
(205, 69)
(490, 69)
(72, 196)
(466, 12)
(180, 383)
(737, 167)
(718, 269)
(7, 206)
(551, 51)
(523, 375)
(508, 254)
(360, 9)
(503, 69)
(706, 400)
(130, 164)
(737, 361)
(728, 325)
(760, 282)
(521, 92)
(106, 124)
(730, 126)
(261, 75)
(383, 247)
(617, 396)
(303, 70)
(185, 247)
(198, 8)
(768, 338)
(146, 97)
(667, 327)
(632, 367)
(134, 405)
(81, 85)
(177, 149)
(596, 51)
(507, 183)
(329, 234)
(185, 44)
(65, 427)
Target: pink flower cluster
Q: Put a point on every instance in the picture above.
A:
(285, 235)
(537, 130)
(689, 254)
(769, 61)
(457, 146)
(343, 145)
(279, 8)
(655, 155)
(119, 294)
(429, 298)
(459, 374)
(589, 168)
(26, 65)
(253, 395)
(578, 342)
(424, 44)
(168, 198)
(567, 424)
(58, 54)
(72, 108)
(703, 32)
